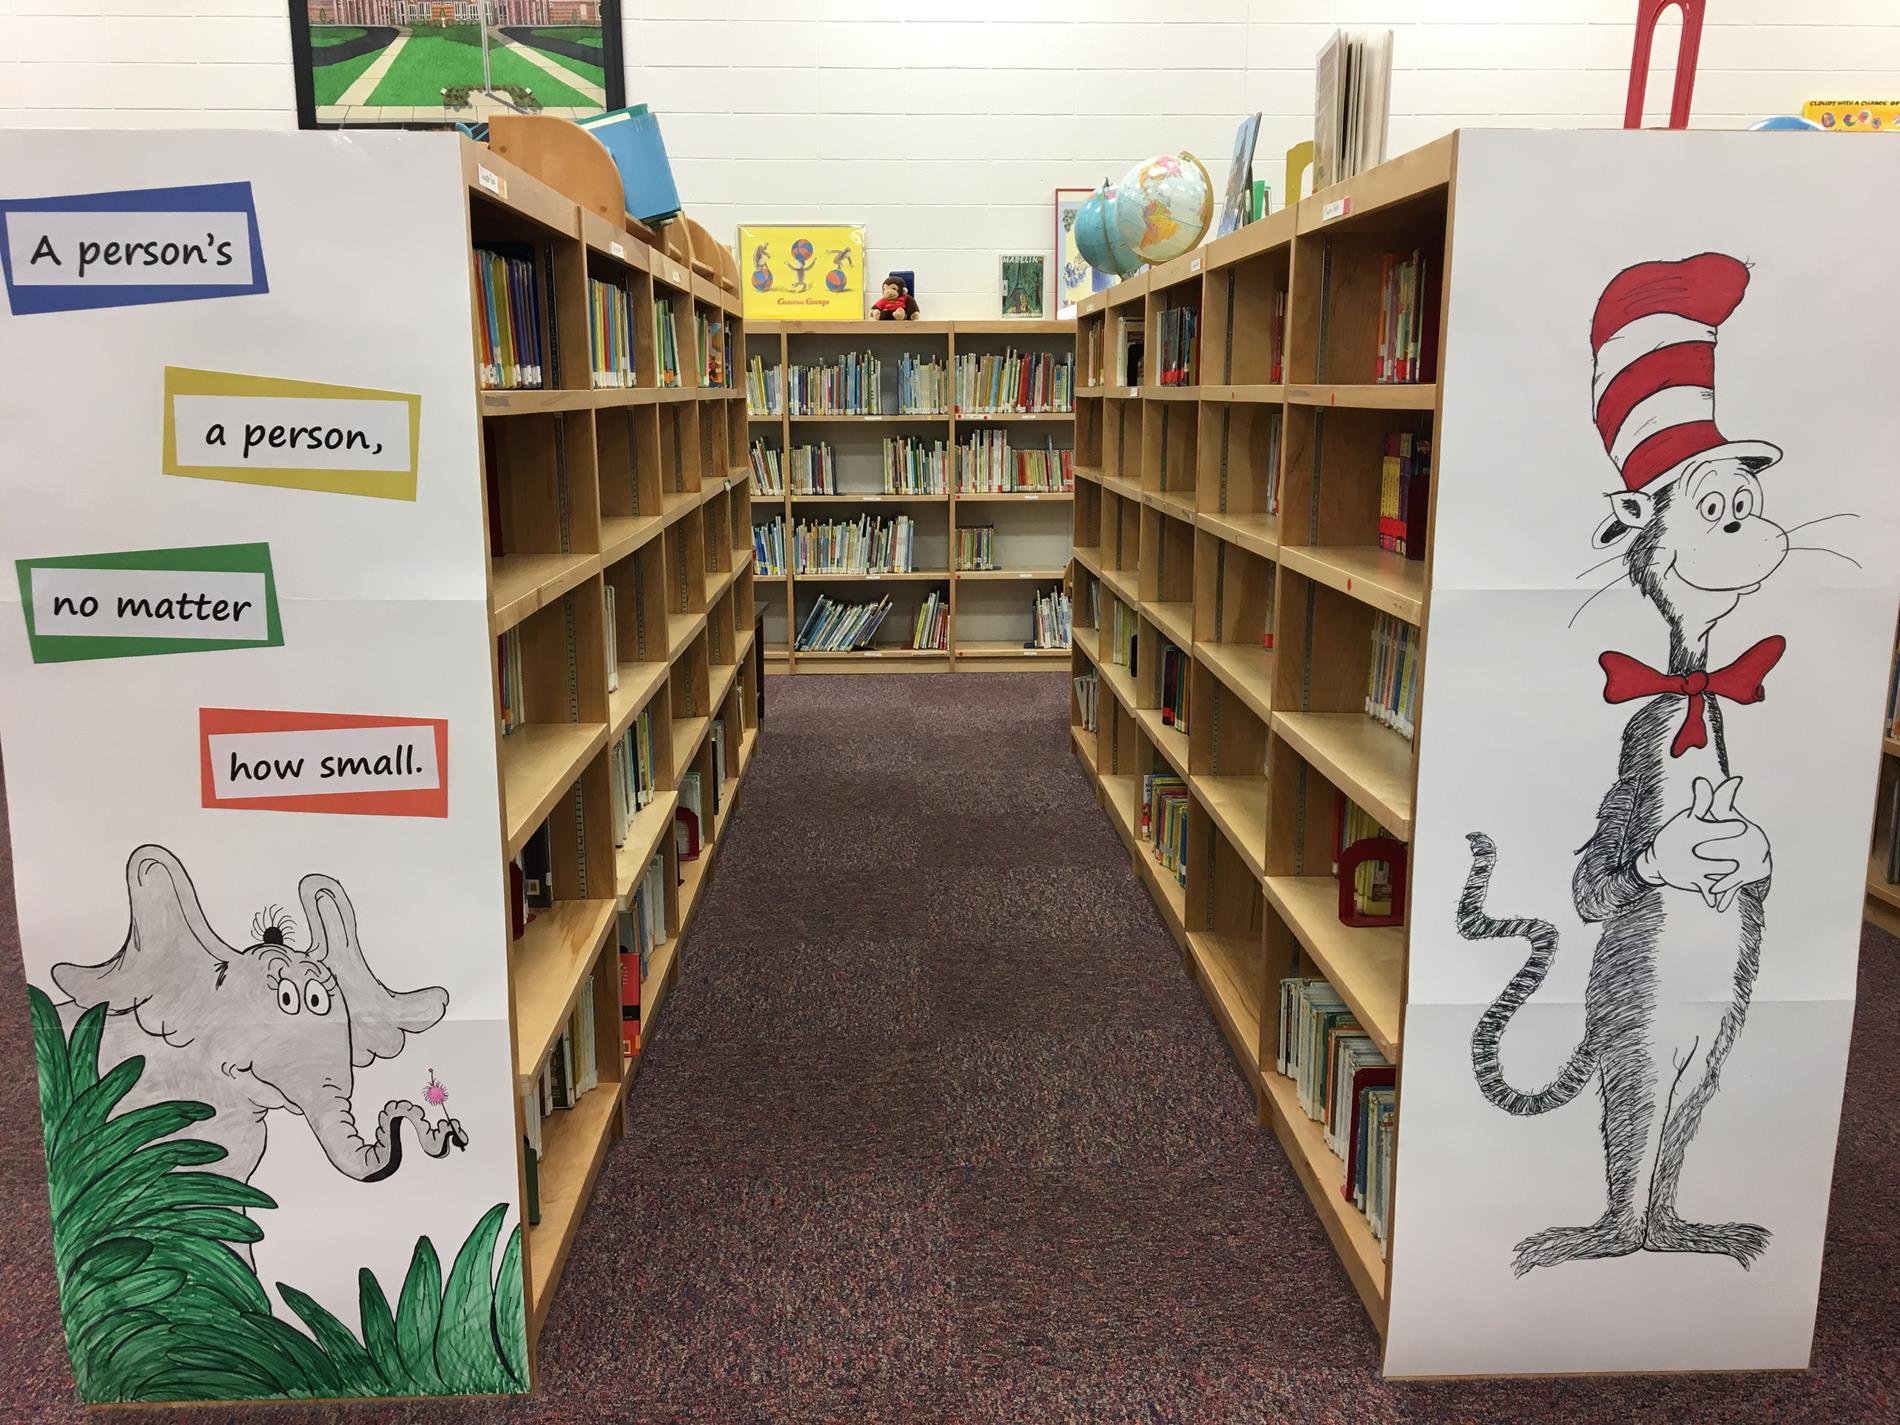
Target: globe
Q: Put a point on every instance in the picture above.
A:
(1098, 238)
(1163, 206)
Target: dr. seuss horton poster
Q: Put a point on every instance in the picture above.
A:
(246, 710)
(809, 273)
(1660, 623)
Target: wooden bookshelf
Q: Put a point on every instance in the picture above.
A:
(990, 619)
(1883, 896)
(1270, 586)
(645, 490)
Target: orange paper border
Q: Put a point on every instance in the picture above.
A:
(431, 802)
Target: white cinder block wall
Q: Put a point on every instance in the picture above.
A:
(945, 127)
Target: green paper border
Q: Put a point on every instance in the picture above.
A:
(82, 647)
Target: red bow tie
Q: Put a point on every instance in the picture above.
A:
(1625, 678)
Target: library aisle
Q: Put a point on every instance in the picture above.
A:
(936, 1130)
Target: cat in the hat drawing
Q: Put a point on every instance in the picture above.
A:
(1677, 874)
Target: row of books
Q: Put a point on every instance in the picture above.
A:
(1405, 312)
(1175, 668)
(764, 388)
(1343, 1083)
(768, 547)
(530, 880)
(1049, 618)
(1087, 690)
(987, 464)
(570, 1071)
(642, 930)
(834, 627)
(1164, 821)
(715, 345)
(511, 336)
(976, 547)
(1092, 333)
(923, 386)
(861, 546)
(611, 641)
(1274, 423)
(1131, 345)
(1015, 382)
(666, 341)
(609, 334)
(1893, 697)
(689, 817)
(1404, 485)
(630, 772)
(1392, 674)
(854, 387)
(1177, 341)
(1372, 880)
(913, 468)
(1124, 624)
(768, 473)
(509, 674)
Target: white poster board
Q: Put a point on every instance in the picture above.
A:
(1645, 313)
(247, 717)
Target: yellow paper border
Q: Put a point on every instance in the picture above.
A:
(395, 484)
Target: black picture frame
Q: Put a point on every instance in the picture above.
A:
(455, 14)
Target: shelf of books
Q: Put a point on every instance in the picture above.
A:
(1248, 647)
(1883, 861)
(912, 491)
(621, 593)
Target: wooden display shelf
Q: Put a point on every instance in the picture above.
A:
(539, 762)
(1003, 648)
(1368, 396)
(990, 497)
(1120, 582)
(1877, 885)
(533, 402)
(1170, 393)
(1323, 1175)
(1180, 507)
(681, 630)
(1119, 682)
(638, 683)
(653, 985)
(1365, 964)
(550, 963)
(621, 535)
(688, 733)
(1174, 620)
(1233, 971)
(1257, 394)
(1375, 577)
(573, 1142)
(1171, 744)
(724, 675)
(1257, 534)
(992, 576)
(522, 584)
(676, 504)
(1238, 806)
(717, 582)
(1084, 741)
(984, 418)
(853, 497)
(1370, 763)
(841, 417)
(644, 833)
(842, 576)
(1245, 670)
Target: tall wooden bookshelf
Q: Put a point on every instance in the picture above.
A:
(990, 610)
(1272, 592)
(643, 490)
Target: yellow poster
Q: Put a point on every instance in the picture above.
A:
(803, 272)
(1854, 116)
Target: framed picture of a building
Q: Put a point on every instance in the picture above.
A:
(430, 63)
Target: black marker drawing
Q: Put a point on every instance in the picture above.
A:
(1675, 874)
(252, 1030)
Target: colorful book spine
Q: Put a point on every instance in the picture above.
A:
(510, 332)
(913, 468)
(764, 388)
(768, 472)
(1392, 674)
(1015, 383)
(610, 335)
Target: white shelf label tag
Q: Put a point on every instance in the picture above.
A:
(1338, 208)
(616, 249)
(1194, 264)
(491, 180)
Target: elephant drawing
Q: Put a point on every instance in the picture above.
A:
(253, 1029)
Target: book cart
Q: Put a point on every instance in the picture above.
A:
(1271, 587)
(990, 609)
(641, 490)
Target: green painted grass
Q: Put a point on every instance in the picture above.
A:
(329, 81)
(437, 58)
(592, 73)
(323, 36)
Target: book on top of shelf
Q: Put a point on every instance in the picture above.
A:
(1342, 1082)
(1086, 691)
(768, 547)
(688, 833)
(912, 467)
(509, 293)
(768, 471)
(923, 386)
(1392, 674)
(610, 334)
(1016, 382)
(861, 546)
(987, 463)
(834, 627)
(931, 628)
(764, 388)
(611, 640)
(1178, 335)
(1164, 821)
(813, 470)
(1174, 671)
(976, 547)
(714, 353)
(1408, 318)
(1050, 617)
(1404, 488)
(854, 387)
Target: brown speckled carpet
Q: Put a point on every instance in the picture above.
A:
(937, 1131)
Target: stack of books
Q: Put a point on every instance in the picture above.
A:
(1017, 382)
(931, 627)
(768, 547)
(642, 930)
(631, 772)
(715, 345)
(1392, 674)
(1175, 667)
(509, 672)
(768, 477)
(1404, 483)
(764, 389)
(1086, 691)
(610, 335)
(923, 388)
(833, 627)
(511, 354)
(689, 819)
(571, 1070)
(666, 341)
(976, 547)
(860, 546)
(913, 468)
(1049, 616)
(1178, 332)
(814, 470)
(1406, 313)
(854, 387)
(986, 464)
(1164, 820)
(1342, 1082)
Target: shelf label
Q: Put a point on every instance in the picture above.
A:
(873, 653)
(491, 180)
(339, 763)
(1194, 264)
(140, 602)
(301, 435)
(1337, 208)
(130, 248)
(616, 249)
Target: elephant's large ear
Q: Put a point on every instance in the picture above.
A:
(171, 961)
(379, 1016)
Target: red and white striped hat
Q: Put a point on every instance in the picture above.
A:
(1653, 338)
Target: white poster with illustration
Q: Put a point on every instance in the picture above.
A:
(1662, 610)
(247, 721)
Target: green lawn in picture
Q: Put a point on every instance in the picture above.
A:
(323, 36)
(439, 57)
(329, 81)
(592, 73)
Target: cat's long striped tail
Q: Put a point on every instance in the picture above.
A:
(1475, 924)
